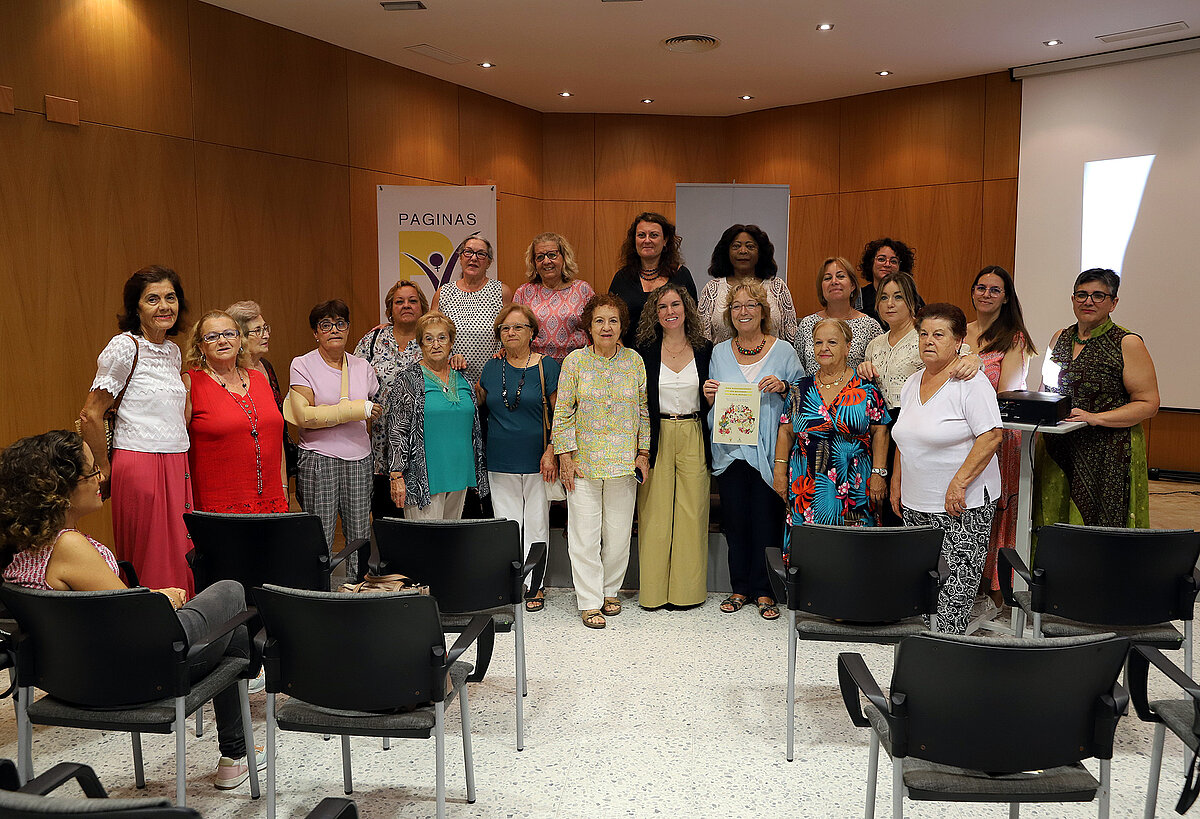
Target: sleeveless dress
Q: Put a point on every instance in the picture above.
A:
(28, 567)
(1004, 524)
(1096, 476)
(474, 315)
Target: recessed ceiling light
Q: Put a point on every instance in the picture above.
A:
(884, 73)
(825, 27)
(745, 97)
(1051, 42)
(487, 65)
(647, 101)
(564, 93)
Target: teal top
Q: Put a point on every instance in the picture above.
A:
(449, 418)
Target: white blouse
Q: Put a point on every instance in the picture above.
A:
(679, 392)
(894, 363)
(150, 418)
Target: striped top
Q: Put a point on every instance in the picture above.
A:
(28, 568)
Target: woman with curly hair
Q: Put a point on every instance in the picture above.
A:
(555, 294)
(650, 258)
(48, 483)
(745, 252)
(881, 257)
(673, 503)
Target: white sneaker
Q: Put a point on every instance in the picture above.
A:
(258, 683)
(983, 611)
(233, 772)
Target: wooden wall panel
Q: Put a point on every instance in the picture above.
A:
(795, 146)
(276, 230)
(999, 223)
(612, 222)
(923, 135)
(642, 157)
(576, 222)
(812, 238)
(942, 223)
(126, 63)
(519, 219)
(1173, 441)
(569, 149)
(259, 86)
(402, 122)
(1002, 126)
(501, 142)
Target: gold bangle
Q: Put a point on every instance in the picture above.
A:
(780, 461)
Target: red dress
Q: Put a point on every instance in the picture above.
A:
(225, 464)
(1004, 524)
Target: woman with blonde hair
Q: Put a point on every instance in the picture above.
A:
(555, 294)
(837, 290)
(235, 426)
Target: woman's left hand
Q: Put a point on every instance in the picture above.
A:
(771, 383)
(1082, 415)
(966, 368)
(956, 498)
(457, 362)
(877, 488)
(642, 464)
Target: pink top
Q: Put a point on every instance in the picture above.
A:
(558, 313)
(348, 441)
(28, 568)
(994, 360)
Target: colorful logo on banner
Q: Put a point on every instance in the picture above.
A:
(428, 256)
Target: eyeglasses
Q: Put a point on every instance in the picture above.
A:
(1095, 296)
(228, 335)
(552, 255)
(328, 326)
(505, 328)
(888, 261)
(87, 476)
(750, 305)
(983, 290)
(467, 253)
(265, 330)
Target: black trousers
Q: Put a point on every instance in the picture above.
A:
(219, 603)
(752, 519)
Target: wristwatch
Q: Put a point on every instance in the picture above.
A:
(881, 471)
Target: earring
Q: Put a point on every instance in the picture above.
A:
(203, 359)
(241, 350)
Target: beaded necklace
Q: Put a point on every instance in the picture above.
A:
(755, 351)
(251, 416)
(520, 384)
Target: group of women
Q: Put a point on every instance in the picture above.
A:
(870, 414)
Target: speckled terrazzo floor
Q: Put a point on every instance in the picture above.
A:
(662, 714)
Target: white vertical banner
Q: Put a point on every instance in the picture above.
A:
(421, 226)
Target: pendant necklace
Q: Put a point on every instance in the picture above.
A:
(520, 384)
(251, 414)
(840, 379)
(449, 389)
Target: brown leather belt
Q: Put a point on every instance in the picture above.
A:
(691, 416)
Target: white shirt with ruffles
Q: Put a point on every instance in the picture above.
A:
(150, 418)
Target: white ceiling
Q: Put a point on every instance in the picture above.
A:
(608, 54)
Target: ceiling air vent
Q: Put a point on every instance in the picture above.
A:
(439, 54)
(1136, 33)
(690, 43)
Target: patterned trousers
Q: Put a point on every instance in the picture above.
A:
(330, 487)
(965, 551)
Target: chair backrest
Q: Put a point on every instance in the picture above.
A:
(99, 649)
(469, 565)
(866, 575)
(30, 806)
(359, 652)
(1115, 576)
(286, 549)
(1044, 701)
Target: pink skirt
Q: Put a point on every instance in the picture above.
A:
(150, 493)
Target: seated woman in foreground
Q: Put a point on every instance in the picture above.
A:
(49, 482)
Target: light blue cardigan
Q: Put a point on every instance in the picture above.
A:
(781, 362)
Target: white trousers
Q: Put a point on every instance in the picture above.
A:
(599, 524)
(442, 506)
(522, 498)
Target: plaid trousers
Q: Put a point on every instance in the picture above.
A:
(329, 487)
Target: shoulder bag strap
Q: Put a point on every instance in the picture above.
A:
(345, 375)
(371, 346)
(545, 405)
(117, 401)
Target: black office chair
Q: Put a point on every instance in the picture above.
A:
(115, 661)
(1088, 580)
(858, 585)
(1180, 716)
(30, 802)
(393, 674)
(286, 549)
(472, 567)
(943, 687)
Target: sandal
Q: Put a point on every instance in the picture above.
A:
(592, 618)
(768, 609)
(733, 602)
(611, 607)
(537, 602)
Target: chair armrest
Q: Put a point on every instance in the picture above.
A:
(1140, 658)
(334, 807)
(1188, 587)
(777, 574)
(1010, 561)
(853, 677)
(126, 568)
(470, 634)
(64, 772)
(536, 561)
(220, 631)
(350, 549)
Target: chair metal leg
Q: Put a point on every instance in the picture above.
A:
(1105, 783)
(248, 736)
(468, 757)
(791, 685)
(439, 731)
(1014, 810)
(898, 788)
(387, 743)
(522, 685)
(347, 782)
(872, 775)
(200, 721)
(1037, 626)
(520, 635)
(24, 736)
(180, 752)
(1156, 755)
(139, 770)
(1187, 646)
(271, 727)
(1018, 621)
